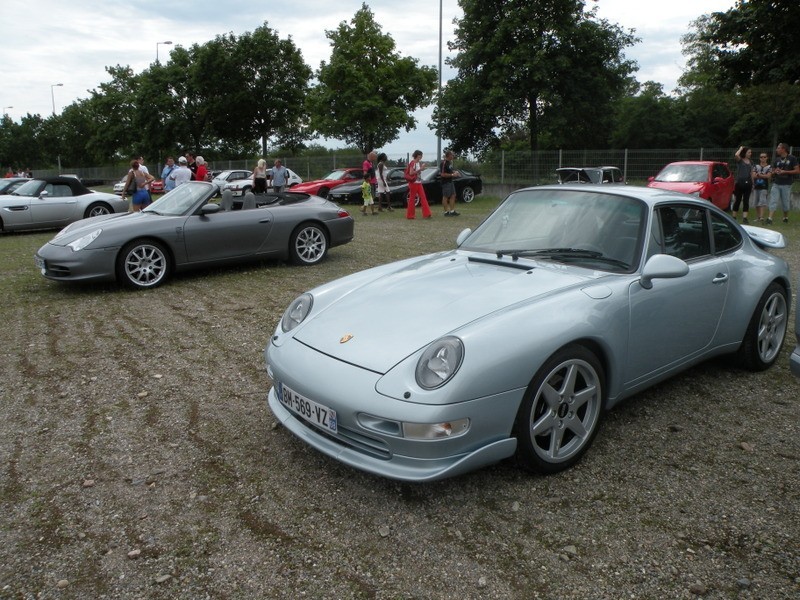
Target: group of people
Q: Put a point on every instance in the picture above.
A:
(757, 178)
(276, 177)
(21, 173)
(375, 185)
(138, 180)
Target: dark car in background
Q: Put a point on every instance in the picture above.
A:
(706, 179)
(467, 187)
(794, 359)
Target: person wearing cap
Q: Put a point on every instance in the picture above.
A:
(182, 174)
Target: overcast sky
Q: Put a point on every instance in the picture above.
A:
(45, 42)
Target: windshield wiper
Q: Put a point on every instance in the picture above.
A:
(562, 253)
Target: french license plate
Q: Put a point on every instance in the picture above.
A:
(311, 411)
(39, 262)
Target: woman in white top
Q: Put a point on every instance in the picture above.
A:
(260, 177)
(384, 198)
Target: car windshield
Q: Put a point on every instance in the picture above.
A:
(341, 174)
(581, 175)
(592, 229)
(31, 188)
(180, 200)
(683, 173)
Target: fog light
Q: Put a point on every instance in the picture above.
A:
(435, 431)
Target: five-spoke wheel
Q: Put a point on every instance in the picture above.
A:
(560, 414)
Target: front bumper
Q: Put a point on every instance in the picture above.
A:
(60, 263)
(352, 393)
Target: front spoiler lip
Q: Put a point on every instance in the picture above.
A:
(401, 468)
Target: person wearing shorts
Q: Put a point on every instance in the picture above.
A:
(447, 174)
(784, 168)
(761, 174)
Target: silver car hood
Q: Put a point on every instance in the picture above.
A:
(107, 223)
(386, 320)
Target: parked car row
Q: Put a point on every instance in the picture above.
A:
(467, 187)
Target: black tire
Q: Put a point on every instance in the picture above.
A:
(95, 209)
(308, 244)
(561, 412)
(766, 330)
(323, 192)
(143, 264)
(467, 194)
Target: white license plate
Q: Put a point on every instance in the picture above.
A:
(311, 411)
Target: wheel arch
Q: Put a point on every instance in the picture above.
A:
(149, 238)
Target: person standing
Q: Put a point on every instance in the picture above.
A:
(182, 174)
(784, 168)
(384, 196)
(169, 167)
(366, 194)
(368, 168)
(744, 181)
(761, 175)
(260, 177)
(137, 179)
(413, 175)
(191, 164)
(447, 174)
(202, 171)
(280, 177)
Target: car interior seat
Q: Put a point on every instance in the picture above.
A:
(227, 200)
(249, 201)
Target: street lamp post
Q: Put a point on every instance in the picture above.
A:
(5, 108)
(439, 92)
(53, 96)
(161, 44)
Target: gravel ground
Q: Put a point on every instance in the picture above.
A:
(139, 460)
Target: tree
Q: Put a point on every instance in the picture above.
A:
(545, 66)
(367, 92)
(749, 51)
(650, 119)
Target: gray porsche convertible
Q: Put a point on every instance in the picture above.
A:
(184, 229)
(563, 302)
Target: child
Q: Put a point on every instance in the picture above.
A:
(366, 193)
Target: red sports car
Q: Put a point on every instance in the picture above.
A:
(321, 187)
(706, 179)
(157, 187)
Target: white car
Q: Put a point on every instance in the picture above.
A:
(242, 186)
(230, 176)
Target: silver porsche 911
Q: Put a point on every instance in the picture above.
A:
(52, 202)
(183, 229)
(564, 301)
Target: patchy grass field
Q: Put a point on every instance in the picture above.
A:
(138, 459)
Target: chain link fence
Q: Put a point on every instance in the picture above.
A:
(507, 169)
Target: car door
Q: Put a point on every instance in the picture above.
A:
(54, 208)
(227, 234)
(676, 319)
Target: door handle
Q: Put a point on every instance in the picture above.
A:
(720, 278)
(265, 220)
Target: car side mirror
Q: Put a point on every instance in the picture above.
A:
(662, 266)
(43, 194)
(463, 236)
(651, 179)
(209, 209)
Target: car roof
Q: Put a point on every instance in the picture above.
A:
(650, 196)
(696, 162)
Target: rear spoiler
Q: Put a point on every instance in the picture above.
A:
(765, 238)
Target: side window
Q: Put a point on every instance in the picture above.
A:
(684, 231)
(726, 236)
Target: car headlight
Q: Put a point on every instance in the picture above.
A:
(439, 362)
(297, 312)
(84, 241)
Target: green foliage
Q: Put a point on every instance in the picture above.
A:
(545, 67)
(748, 53)
(367, 92)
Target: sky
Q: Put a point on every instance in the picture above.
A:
(72, 43)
